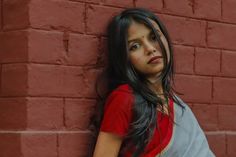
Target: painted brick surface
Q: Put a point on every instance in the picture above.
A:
(183, 7)
(207, 61)
(16, 53)
(221, 35)
(45, 113)
(74, 144)
(231, 142)
(180, 27)
(218, 144)
(83, 50)
(194, 88)
(154, 5)
(207, 115)
(184, 59)
(228, 11)
(51, 53)
(65, 15)
(9, 142)
(14, 80)
(97, 25)
(46, 47)
(17, 19)
(223, 91)
(78, 113)
(39, 145)
(228, 63)
(208, 9)
(13, 113)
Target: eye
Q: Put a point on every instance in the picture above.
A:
(134, 47)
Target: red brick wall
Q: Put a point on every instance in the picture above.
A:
(50, 53)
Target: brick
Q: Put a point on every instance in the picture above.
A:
(207, 61)
(75, 84)
(195, 88)
(226, 114)
(184, 59)
(8, 143)
(16, 53)
(228, 10)
(209, 9)
(103, 53)
(120, 3)
(1, 17)
(89, 1)
(46, 47)
(45, 113)
(231, 144)
(13, 113)
(105, 15)
(153, 5)
(14, 80)
(184, 7)
(39, 145)
(75, 144)
(223, 91)
(217, 143)
(0, 78)
(17, 19)
(180, 29)
(207, 116)
(228, 63)
(55, 80)
(90, 78)
(53, 14)
(221, 35)
(46, 80)
(100, 84)
(78, 113)
(83, 50)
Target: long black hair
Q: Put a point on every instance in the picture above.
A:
(120, 71)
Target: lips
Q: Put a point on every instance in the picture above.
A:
(154, 59)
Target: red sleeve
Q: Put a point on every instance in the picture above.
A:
(117, 113)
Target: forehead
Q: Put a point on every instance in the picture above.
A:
(137, 29)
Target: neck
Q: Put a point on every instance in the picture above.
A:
(156, 87)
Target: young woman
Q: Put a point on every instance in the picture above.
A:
(142, 116)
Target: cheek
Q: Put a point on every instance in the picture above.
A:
(136, 60)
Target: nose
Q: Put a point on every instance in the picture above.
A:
(150, 48)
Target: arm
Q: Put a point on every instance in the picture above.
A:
(108, 145)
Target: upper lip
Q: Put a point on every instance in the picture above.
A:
(154, 58)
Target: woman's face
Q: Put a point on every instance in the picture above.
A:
(144, 50)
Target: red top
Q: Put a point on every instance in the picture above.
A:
(118, 115)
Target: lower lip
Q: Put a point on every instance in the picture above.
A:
(155, 61)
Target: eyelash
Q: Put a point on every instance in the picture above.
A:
(132, 47)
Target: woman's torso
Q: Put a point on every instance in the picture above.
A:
(179, 136)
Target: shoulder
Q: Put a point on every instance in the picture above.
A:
(124, 89)
(123, 94)
(120, 99)
(118, 111)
